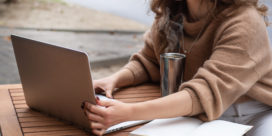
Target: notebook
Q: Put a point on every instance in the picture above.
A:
(185, 126)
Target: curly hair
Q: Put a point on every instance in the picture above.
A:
(167, 27)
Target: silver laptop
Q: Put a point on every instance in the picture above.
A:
(57, 80)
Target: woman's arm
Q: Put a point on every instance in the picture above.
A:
(119, 79)
(109, 113)
(122, 78)
(142, 67)
(175, 105)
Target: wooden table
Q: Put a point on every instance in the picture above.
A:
(17, 119)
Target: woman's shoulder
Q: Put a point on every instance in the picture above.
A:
(244, 22)
(245, 28)
(246, 11)
(245, 16)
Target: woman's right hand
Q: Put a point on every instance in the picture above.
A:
(106, 85)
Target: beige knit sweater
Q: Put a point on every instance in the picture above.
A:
(231, 59)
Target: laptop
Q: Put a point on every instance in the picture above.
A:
(56, 81)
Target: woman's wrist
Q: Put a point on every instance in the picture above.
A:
(122, 78)
(113, 80)
(132, 112)
(181, 105)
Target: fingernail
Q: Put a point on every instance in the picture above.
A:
(82, 105)
(97, 98)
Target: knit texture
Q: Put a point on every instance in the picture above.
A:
(231, 59)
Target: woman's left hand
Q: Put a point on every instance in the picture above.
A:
(106, 114)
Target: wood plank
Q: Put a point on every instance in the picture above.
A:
(26, 110)
(48, 128)
(8, 119)
(20, 106)
(19, 102)
(59, 133)
(9, 86)
(18, 98)
(143, 87)
(131, 89)
(34, 123)
(137, 95)
(17, 90)
(135, 92)
(17, 94)
(32, 114)
(37, 119)
(128, 100)
(118, 133)
(43, 123)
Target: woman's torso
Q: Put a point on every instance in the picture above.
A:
(200, 39)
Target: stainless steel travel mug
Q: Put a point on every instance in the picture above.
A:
(171, 69)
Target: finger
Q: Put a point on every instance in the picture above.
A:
(96, 125)
(93, 117)
(99, 132)
(98, 89)
(105, 103)
(109, 93)
(95, 109)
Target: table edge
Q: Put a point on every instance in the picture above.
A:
(10, 86)
(10, 117)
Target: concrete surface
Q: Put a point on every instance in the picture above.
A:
(54, 14)
(137, 10)
(108, 52)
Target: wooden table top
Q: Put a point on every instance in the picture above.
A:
(17, 119)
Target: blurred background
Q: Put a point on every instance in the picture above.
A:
(108, 30)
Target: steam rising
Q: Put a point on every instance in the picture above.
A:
(172, 27)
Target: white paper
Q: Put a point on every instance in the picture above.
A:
(221, 128)
(180, 126)
(125, 125)
(185, 126)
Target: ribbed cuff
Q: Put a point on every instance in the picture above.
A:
(196, 106)
(137, 71)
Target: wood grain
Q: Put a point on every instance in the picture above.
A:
(10, 86)
(33, 123)
(8, 118)
(48, 128)
(29, 114)
(59, 133)
(42, 124)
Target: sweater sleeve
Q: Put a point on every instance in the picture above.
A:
(144, 64)
(241, 56)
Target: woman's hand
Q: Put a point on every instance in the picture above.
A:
(120, 79)
(106, 114)
(106, 85)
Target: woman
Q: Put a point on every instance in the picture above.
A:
(227, 71)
